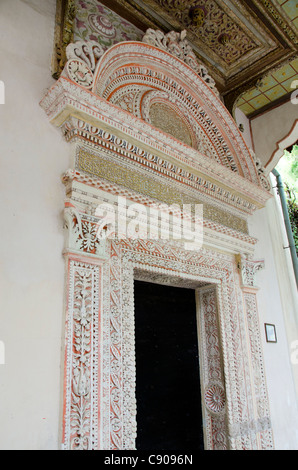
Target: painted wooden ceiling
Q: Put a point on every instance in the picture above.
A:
(249, 47)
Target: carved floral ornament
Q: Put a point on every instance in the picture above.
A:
(161, 73)
(248, 270)
(100, 375)
(174, 43)
(99, 408)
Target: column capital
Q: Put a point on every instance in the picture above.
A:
(248, 270)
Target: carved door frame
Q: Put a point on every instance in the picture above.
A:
(99, 406)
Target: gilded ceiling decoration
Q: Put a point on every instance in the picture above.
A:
(275, 86)
(219, 31)
(240, 43)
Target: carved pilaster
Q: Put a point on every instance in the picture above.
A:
(81, 383)
(84, 252)
(212, 374)
(262, 422)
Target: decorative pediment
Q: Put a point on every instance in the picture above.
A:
(161, 76)
(129, 71)
(148, 118)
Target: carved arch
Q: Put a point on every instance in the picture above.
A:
(135, 68)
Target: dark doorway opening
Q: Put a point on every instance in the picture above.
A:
(169, 413)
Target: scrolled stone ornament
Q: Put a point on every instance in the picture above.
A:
(261, 171)
(89, 52)
(82, 60)
(80, 73)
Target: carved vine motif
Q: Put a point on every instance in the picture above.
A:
(80, 425)
(81, 405)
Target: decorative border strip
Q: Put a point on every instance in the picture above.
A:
(67, 96)
(105, 142)
(216, 229)
(82, 367)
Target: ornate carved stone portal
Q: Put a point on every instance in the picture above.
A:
(148, 130)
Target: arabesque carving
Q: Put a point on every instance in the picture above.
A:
(119, 154)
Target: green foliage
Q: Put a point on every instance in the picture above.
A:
(288, 168)
(293, 213)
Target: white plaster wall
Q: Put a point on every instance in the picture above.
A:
(33, 158)
(270, 128)
(278, 299)
(240, 118)
(277, 304)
